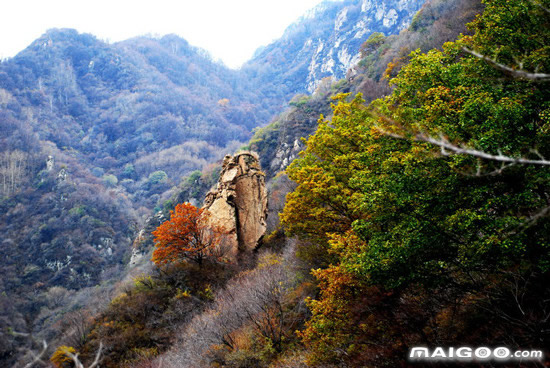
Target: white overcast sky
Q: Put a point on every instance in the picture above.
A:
(230, 29)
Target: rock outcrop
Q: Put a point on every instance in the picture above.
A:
(238, 204)
(325, 42)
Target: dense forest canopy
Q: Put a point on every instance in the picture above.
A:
(420, 206)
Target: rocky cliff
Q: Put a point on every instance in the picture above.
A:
(238, 203)
(437, 22)
(325, 42)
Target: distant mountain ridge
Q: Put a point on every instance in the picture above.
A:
(139, 114)
(325, 42)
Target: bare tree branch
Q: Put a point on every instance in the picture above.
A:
(24, 334)
(38, 358)
(496, 172)
(530, 221)
(447, 148)
(516, 73)
(507, 161)
(77, 362)
(97, 356)
(537, 3)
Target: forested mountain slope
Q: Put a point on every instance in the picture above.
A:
(247, 314)
(324, 43)
(380, 58)
(424, 214)
(124, 122)
(119, 103)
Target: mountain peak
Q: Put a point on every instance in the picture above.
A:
(325, 41)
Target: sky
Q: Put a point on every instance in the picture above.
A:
(231, 30)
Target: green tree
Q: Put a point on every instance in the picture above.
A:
(158, 177)
(385, 198)
(110, 180)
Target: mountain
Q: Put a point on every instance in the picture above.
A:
(436, 22)
(151, 108)
(323, 43)
(94, 136)
(127, 100)
(415, 231)
(224, 327)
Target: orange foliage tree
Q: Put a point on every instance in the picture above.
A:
(187, 235)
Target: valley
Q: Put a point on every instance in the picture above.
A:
(363, 236)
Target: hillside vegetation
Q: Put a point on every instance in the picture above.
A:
(95, 138)
(408, 206)
(421, 214)
(426, 225)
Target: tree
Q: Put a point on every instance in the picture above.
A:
(13, 169)
(5, 98)
(110, 180)
(463, 216)
(223, 103)
(60, 358)
(187, 235)
(372, 43)
(62, 355)
(259, 299)
(158, 177)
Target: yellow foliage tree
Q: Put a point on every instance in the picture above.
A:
(60, 358)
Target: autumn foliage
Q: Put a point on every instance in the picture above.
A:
(187, 235)
(60, 358)
(417, 246)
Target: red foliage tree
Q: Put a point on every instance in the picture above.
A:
(187, 235)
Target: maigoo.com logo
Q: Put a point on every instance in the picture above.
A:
(468, 354)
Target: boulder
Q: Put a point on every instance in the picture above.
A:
(238, 203)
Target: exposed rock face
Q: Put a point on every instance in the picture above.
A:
(325, 42)
(284, 155)
(50, 163)
(354, 21)
(238, 204)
